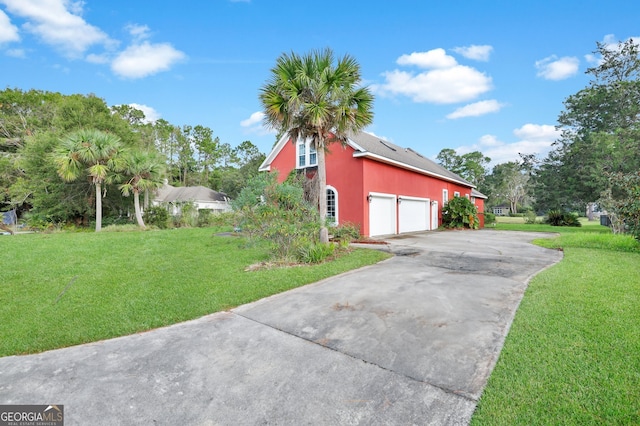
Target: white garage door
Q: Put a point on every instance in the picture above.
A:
(382, 214)
(413, 214)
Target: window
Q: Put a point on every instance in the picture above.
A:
(307, 155)
(456, 194)
(445, 196)
(332, 205)
(468, 197)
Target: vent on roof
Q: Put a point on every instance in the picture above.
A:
(387, 145)
(416, 153)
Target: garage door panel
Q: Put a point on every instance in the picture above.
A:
(413, 214)
(382, 214)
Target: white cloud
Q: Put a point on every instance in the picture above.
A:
(440, 86)
(554, 68)
(475, 52)
(98, 59)
(254, 124)
(445, 82)
(8, 31)
(138, 32)
(533, 139)
(58, 23)
(476, 109)
(150, 114)
(255, 118)
(142, 60)
(436, 58)
(16, 53)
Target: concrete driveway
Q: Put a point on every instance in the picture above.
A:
(411, 340)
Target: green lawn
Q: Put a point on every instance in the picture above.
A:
(506, 223)
(69, 288)
(572, 356)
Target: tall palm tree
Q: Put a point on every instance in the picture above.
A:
(145, 172)
(314, 97)
(93, 151)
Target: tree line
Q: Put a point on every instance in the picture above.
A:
(38, 127)
(596, 159)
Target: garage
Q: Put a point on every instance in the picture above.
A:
(382, 214)
(413, 214)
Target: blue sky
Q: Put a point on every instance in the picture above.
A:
(468, 75)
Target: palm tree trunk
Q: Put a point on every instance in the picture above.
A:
(322, 192)
(136, 205)
(98, 207)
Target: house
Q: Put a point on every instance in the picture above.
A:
(384, 188)
(203, 198)
(502, 210)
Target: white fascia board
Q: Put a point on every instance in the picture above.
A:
(355, 146)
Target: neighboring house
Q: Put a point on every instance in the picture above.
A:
(384, 188)
(502, 210)
(203, 198)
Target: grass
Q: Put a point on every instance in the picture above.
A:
(572, 356)
(506, 223)
(69, 288)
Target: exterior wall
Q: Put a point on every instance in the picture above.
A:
(344, 173)
(380, 177)
(285, 161)
(479, 203)
(354, 178)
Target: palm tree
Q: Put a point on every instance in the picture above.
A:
(93, 151)
(311, 97)
(145, 171)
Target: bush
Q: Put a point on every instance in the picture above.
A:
(530, 217)
(188, 217)
(489, 218)
(346, 232)
(279, 214)
(225, 219)
(156, 216)
(460, 212)
(312, 252)
(560, 218)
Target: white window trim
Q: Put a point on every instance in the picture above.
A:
(456, 193)
(335, 191)
(445, 196)
(307, 154)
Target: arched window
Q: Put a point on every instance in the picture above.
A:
(332, 205)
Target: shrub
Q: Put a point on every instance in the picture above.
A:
(346, 232)
(188, 216)
(225, 219)
(560, 218)
(156, 216)
(460, 212)
(530, 217)
(279, 214)
(489, 218)
(312, 252)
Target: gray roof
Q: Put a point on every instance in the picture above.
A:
(170, 194)
(478, 194)
(370, 145)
